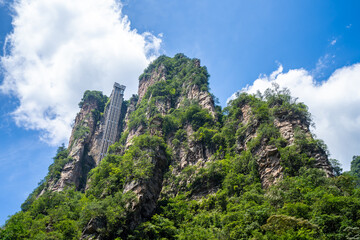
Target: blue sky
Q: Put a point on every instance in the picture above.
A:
(238, 40)
(312, 47)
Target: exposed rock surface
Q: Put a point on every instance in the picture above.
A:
(93, 229)
(148, 80)
(193, 153)
(84, 147)
(287, 130)
(268, 156)
(203, 97)
(147, 192)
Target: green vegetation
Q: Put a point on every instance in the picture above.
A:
(81, 131)
(181, 68)
(355, 166)
(63, 215)
(97, 97)
(51, 216)
(275, 104)
(355, 169)
(135, 165)
(55, 168)
(221, 199)
(308, 206)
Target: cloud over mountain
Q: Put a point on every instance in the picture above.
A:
(60, 48)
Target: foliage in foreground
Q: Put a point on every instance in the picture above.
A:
(308, 206)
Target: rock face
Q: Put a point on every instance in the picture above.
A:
(192, 154)
(287, 130)
(149, 80)
(92, 229)
(83, 149)
(267, 155)
(147, 192)
(204, 99)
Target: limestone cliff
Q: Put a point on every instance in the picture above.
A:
(154, 111)
(84, 144)
(74, 172)
(267, 153)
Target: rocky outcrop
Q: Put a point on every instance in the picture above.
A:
(87, 144)
(189, 153)
(147, 191)
(95, 141)
(93, 229)
(83, 148)
(287, 130)
(204, 98)
(149, 79)
(267, 155)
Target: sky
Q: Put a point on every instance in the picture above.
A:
(52, 51)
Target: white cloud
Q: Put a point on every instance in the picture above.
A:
(334, 105)
(60, 48)
(322, 64)
(333, 42)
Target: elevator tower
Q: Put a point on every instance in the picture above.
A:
(112, 118)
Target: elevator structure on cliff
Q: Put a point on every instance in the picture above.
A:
(112, 118)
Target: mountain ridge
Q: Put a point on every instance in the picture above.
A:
(175, 146)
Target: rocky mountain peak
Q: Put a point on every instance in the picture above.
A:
(173, 144)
